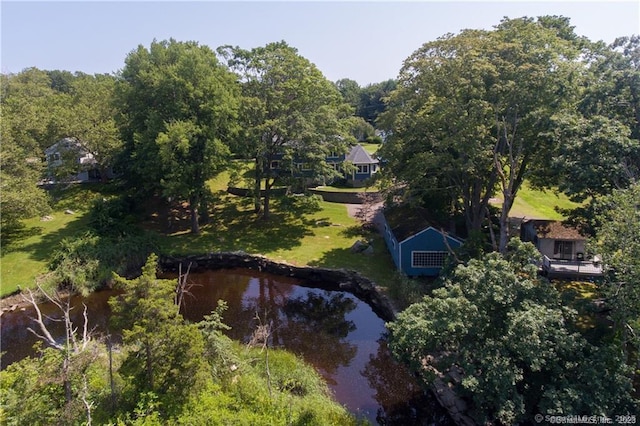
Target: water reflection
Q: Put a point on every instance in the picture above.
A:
(335, 332)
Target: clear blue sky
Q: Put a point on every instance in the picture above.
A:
(364, 41)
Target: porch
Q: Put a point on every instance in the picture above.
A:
(557, 268)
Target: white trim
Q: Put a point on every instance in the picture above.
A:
(364, 171)
(431, 227)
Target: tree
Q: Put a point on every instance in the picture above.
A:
(291, 114)
(598, 138)
(507, 332)
(169, 359)
(179, 107)
(350, 91)
(470, 110)
(29, 123)
(91, 118)
(372, 100)
(618, 241)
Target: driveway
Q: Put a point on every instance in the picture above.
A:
(373, 215)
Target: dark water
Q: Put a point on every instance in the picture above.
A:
(334, 331)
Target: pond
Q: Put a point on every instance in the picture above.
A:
(333, 331)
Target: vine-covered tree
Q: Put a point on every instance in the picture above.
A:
(468, 116)
(179, 107)
(291, 114)
(507, 332)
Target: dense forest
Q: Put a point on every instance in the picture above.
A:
(471, 117)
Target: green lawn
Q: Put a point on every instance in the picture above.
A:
(371, 148)
(534, 204)
(320, 238)
(294, 235)
(25, 258)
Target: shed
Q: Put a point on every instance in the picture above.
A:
(418, 246)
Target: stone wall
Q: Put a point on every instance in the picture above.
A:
(245, 192)
(347, 197)
(323, 278)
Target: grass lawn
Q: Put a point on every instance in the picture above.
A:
(315, 238)
(26, 257)
(533, 204)
(371, 148)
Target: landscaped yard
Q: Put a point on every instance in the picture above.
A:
(318, 238)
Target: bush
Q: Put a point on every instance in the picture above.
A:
(113, 217)
(86, 262)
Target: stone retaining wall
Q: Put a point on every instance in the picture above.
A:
(323, 278)
(347, 197)
(245, 192)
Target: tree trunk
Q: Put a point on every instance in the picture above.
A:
(267, 199)
(193, 205)
(257, 206)
(103, 174)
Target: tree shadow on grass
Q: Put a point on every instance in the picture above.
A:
(234, 226)
(12, 237)
(49, 242)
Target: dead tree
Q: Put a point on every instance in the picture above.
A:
(71, 346)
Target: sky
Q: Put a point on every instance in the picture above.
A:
(362, 40)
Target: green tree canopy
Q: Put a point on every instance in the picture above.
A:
(470, 109)
(91, 118)
(618, 241)
(179, 107)
(509, 334)
(291, 113)
(598, 138)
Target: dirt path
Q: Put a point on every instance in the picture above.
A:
(374, 215)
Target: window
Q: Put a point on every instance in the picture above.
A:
(563, 249)
(333, 154)
(362, 168)
(275, 164)
(428, 259)
(305, 166)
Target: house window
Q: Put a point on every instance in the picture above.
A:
(333, 154)
(362, 168)
(334, 166)
(275, 164)
(54, 157)
(428, 259)
(563, 249)
(305, 166)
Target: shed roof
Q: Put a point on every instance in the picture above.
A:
(358, 155)
(406, 221)
(553, 229)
